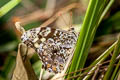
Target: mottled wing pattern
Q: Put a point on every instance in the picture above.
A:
(52, 45)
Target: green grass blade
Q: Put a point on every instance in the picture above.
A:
(99, 60)
(106, 9)
(37, 67)
(80, 39)
(94, 15)
(8, 67)
(7, 7)
(115, 71)
(86, 34)
(113, 59)
(117, 77)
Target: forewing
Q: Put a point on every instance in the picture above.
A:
(53, 46)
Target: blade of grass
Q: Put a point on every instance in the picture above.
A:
(89, 24)
(102, 16)
(117, 77)
(113, 60)
(79, 43)
(99, 60)
(106, 9)
(37, 67)
(7, 7)
(8, 67)
(106, 53)
(8, 46)
(115, 71)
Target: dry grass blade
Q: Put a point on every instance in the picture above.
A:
(62, 11)
(23, 69)
(118, 77)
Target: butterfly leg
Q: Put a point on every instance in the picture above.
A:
(41, 73)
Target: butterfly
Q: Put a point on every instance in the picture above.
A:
(53, 46)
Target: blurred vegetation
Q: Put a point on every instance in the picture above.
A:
(22, 10)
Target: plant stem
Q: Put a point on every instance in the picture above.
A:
(113, 60)
(99, 60)
(115, 71)
(7, 7)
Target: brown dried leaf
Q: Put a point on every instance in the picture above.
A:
(23, 69)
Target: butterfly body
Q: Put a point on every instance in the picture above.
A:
(52, 45)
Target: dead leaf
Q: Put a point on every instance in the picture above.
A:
(23, 69)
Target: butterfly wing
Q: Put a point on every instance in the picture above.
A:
(52, 45)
